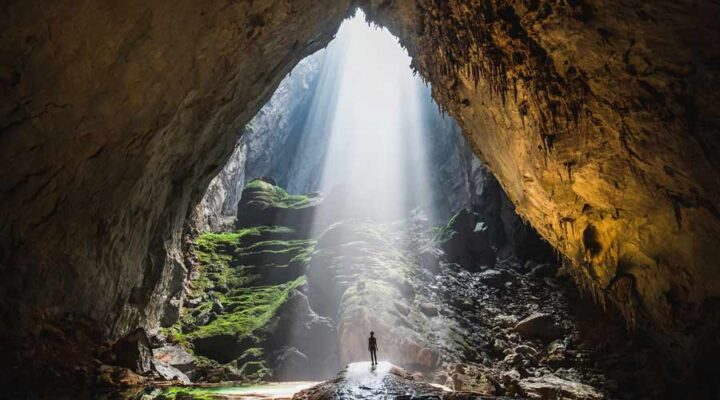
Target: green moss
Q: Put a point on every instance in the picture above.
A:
(254, 371)
(251, 309)
(273, 251)
(247, 272)
(261, 192)
(173, 393)
(446, 232)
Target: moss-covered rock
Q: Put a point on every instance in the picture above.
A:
(264, 203)
(241, 280)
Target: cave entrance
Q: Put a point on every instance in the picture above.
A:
(332, 218)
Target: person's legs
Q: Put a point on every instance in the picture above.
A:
(373, 357)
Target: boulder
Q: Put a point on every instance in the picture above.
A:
(429, 309)
(472, 378)
(553, 387)
(467, 242)
(555, 354)
(427, 358)
(263, 203)
(499, 346)
(525, 350)
(495, 278)
(169, 372)
(109, 375)
(175, 356)
(430, 260)
(132, 351)
(506, 321)
(291, 364)
(298, 327)
(538, 326)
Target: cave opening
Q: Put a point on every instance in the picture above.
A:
(351, 204)
(338, 189)
(335, 216)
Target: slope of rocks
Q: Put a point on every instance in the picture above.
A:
(599, 119)
(441, 303)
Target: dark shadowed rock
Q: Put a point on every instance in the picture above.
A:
(543, 270)
(540, 326)
(429, 309)
(466, 241)
(109, 375)
(430, 260)
(133, 351)
(223, 348)
(496, 278)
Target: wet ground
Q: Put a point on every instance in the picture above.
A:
(385, 381)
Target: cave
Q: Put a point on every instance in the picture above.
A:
(572, 155)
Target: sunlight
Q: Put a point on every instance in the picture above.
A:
(375, 159)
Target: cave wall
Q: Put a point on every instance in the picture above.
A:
(114, 117)
(267, 146)
(600, 120)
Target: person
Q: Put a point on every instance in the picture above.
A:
(372, 346)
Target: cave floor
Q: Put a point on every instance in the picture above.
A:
(385, 381)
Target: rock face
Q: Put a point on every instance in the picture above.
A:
(268, 147)
(613, 159)
(218, 207)
(599, 119)
(115, 118)
(265, 204)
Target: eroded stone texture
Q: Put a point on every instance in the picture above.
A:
(114, 117)
(600, 121)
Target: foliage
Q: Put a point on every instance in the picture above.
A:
(446, 232)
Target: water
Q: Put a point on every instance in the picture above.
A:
(227, 390)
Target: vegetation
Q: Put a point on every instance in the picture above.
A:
(248, 309)
(242, 279)
(266, 193)
(446, 232)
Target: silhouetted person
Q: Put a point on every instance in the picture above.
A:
(372, 346)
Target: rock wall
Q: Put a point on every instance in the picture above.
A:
(267, 146)
(600, 121)
(114, 118)
(219, 203)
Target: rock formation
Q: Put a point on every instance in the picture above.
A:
(269, 302)
(115, 117)
(599, 119)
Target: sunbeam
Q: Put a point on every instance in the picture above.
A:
(375, 164)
